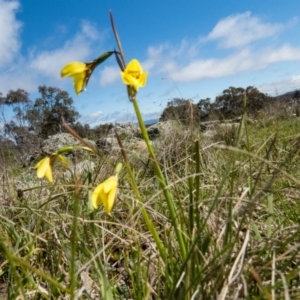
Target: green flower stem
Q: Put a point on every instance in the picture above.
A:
(148, 221)
(161, 180)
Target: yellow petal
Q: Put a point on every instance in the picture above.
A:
(96, 196)
(39, 163)
(136, 83)
(133, 75)
(130, 80)
(72, 69)
(48, 174)
(134, 66)
(143, 79)
(110, 199)
(126, 78)
(42, 167)
(79, 82)
(105, 192)
(110, 183)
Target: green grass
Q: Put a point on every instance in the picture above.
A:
(235, 197)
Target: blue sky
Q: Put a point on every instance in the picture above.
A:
(192, 49)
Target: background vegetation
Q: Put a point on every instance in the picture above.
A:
(235, 189)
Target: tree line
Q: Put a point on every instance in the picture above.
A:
(35, 120)
(231, 104)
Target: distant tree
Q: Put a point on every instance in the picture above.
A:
(18, 100)
(256, 100)
(83, 130)
(2, 109)
(16, 129)
(182, 110)
(204, 106)
(33, 121)
(177, 102)
(20, 135)
(16, 97)
(45, 113)
(101, 130)
(9, 153)
(231, 102)
(296, 95)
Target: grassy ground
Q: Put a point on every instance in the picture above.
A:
(235, 194)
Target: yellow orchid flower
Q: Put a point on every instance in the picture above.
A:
(134, 75)
(45, 165)
(44, 168)
(105, 193)
(82, 71)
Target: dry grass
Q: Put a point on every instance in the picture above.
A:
(236, 203)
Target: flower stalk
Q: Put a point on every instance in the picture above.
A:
(162, 180)
(134, 77)
(146, 217)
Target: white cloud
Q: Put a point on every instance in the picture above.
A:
(89, 30)
(18, 77)
(92, 119)
(113, 117)
(124, 117)
(10, 31)
(184, 51)
(109, 75)
(281, 86)
(181, 64)
(96, 114)
(79, 48)
(30, 70)
(246, 59)
(284, 53)
(241, 29)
